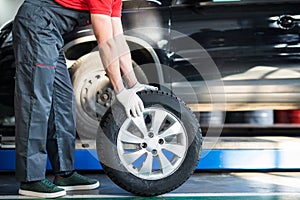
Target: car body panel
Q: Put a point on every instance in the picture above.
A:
(254, 45)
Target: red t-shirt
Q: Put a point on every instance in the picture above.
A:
(107, 7)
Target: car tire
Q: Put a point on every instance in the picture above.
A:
(93, 92)
(169, 149)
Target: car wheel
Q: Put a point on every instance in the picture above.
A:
(93, 92)
(152, 154)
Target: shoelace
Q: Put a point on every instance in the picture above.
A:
(48, 183)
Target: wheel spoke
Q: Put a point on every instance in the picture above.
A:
(146, 168)
(175, 129)
(127, 137)
(140, 124)
(165, 164)
(133, 156)
(176, 149)
(158, 119)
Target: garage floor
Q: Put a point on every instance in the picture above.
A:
(209, 186)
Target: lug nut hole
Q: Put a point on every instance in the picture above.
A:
(161, 141)
(154, 152)
(144, 145)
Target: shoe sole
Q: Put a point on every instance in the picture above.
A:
(80, 187)
(41, 194)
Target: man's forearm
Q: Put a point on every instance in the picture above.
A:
(123, 52)
(103, 31)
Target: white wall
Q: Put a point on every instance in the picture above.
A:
(8, 9)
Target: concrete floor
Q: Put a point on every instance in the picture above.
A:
(229, 185)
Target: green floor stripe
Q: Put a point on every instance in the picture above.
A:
(187, 198)
(283, 196)
(197, 198)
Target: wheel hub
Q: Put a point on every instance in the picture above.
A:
(95, 95)
(152, 144)
(105, 97)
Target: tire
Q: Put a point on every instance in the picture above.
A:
(93, 92)
(146, 163)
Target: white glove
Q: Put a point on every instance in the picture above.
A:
(131, 101)
(139, 87)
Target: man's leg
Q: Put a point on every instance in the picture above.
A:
(35, 72)
(62, 131)
(61, 134)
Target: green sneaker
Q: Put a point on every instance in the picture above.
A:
(76, 182)
(41, 189)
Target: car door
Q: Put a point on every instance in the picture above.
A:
(254, 45)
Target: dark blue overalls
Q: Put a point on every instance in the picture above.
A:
(44, 98)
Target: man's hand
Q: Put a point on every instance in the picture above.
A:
(131, 101)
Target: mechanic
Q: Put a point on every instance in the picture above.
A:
(44, 98)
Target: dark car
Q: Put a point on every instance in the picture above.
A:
(208, 52)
